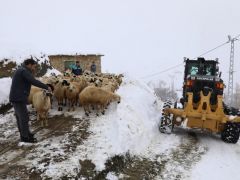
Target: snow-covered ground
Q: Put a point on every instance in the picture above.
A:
(5, 84)
(220, 162)
(130, 127)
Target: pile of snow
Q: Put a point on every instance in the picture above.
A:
(131, 126)
(5, 85)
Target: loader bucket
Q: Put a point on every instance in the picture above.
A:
(203, 115)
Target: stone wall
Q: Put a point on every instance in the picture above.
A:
(58, 61)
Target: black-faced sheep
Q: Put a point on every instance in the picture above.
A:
(60, 93)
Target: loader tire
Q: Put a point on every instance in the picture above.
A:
(230, 134)
(166, 125)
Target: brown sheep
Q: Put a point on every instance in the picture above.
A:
(42, 104)
(94, 96)
(60, 93)
(75, 89)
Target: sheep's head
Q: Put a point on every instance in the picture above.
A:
(71, 88)
(65, 83)
(117, 98)
(92, 80)
(98, 83)
(46, 93)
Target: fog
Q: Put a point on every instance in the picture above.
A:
(138, 37)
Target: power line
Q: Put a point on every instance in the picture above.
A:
(168, 69)
(213, 49)
(235, 38)
(173, 67)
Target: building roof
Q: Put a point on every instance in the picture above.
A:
(76, 55)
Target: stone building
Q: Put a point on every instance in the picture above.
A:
(63, 62)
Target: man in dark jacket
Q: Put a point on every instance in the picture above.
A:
(76, 69)
(21, 84)
(93, 67)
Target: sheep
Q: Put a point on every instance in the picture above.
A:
(75, 89)
(94, 96)
(119, 79)
(82, 83)
(60, 93)
(50, 81)
(72, 92)
(108, 87)
(32, 92)
(42, 104)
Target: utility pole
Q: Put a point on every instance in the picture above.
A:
(231, 71)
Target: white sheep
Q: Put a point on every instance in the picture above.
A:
(32, 92)
(42, 104)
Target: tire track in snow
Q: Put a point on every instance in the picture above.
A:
(181, 159)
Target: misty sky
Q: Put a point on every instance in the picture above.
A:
(140, 37)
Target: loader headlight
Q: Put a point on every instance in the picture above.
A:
(189, 83)
(219, 85)
(178, 119)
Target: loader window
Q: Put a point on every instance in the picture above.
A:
(193, 70)
(209, 70)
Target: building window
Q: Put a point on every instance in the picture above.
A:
(68, 64)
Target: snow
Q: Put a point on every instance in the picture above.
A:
(52, 71)
(129, 127)
(20, 58)
(111, 176)
(220, 162)
(5, 85)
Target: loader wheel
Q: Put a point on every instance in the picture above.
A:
(166, 125)
(230, 134)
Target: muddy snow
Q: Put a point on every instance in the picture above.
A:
(125, 143)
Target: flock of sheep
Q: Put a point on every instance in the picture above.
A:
(91, 91)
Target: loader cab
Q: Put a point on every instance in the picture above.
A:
(200, 67)
(201, 74)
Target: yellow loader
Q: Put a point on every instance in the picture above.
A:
(202, 103)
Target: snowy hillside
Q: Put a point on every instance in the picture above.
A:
(41, 57)
(123, 143)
